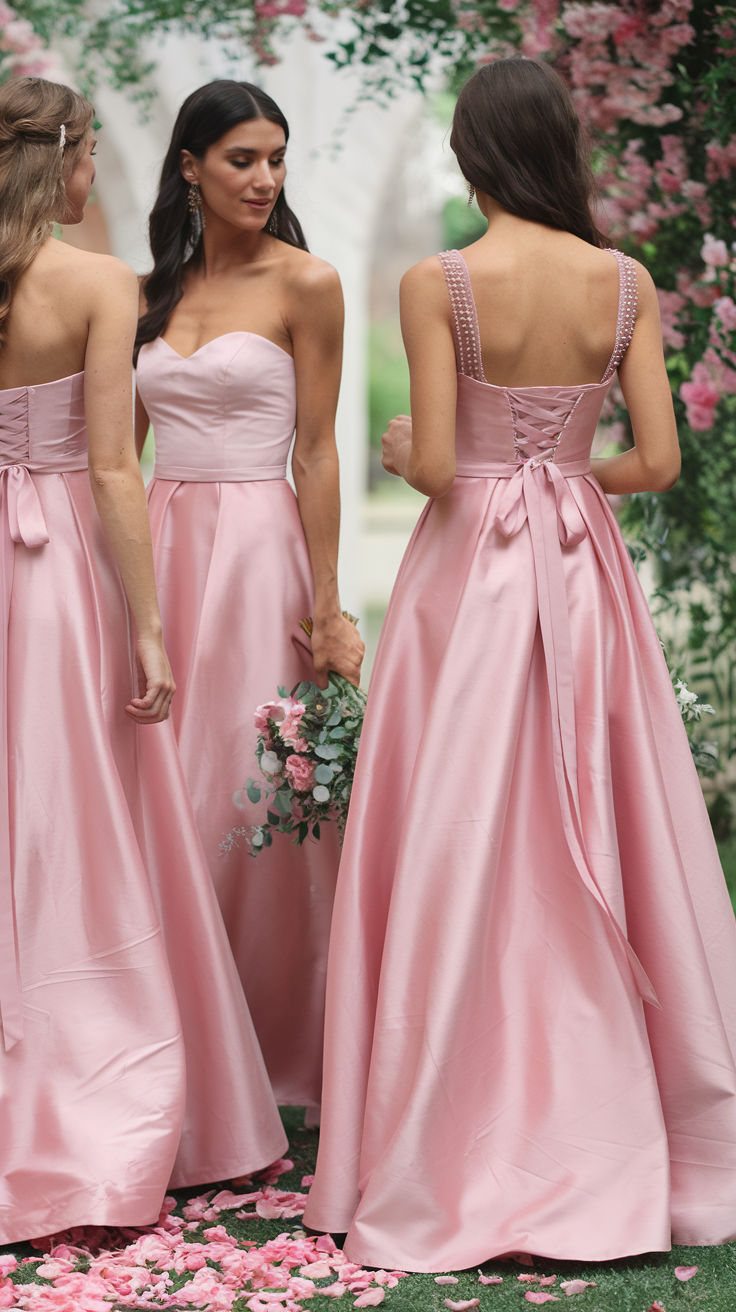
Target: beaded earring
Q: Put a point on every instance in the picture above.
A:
(196, 217)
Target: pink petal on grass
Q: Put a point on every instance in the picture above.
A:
(462, 1307)
(335, 1290)
(540, 1298)
(490, 1280)
(371, 1298)
(685, 1272)
(316, 1270)
(576, 1286)
(445, 1280)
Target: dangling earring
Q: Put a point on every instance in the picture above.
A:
(471, 193)
(196, 217)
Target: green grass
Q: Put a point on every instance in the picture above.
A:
(727, 851)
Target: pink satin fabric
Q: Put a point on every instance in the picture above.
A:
(129, 1060)
(527, 858)
(234, 580)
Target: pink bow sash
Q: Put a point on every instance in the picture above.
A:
(23, 523)
(537, 493)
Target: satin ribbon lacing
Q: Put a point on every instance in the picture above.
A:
(538, 494)
(23, 524)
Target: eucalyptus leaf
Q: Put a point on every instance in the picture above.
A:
(282, 803)
(254, 793)
(323, 774)
(327, 751)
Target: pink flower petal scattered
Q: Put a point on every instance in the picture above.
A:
(371, 1298)
(490, 1280)
(534, 1296)
(316, 1270)
(684, 1273)
(445, 1280)
(463, 1306)
(576, 1286)
(335, 1290)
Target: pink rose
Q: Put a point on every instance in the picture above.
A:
(300, 772)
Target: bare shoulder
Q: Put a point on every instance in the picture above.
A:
(424, 285)
(645, 285)
(309, 273)
(84, 275)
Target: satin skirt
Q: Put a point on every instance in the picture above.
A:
(138, 1065)
(493, 1080)
(234, 580)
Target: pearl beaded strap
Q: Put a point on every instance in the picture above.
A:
(628, 297)
(464, 315)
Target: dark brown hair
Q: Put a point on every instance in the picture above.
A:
(518, 139)
(204, 118)
(35, 163)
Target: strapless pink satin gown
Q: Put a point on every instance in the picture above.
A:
(527, 860)
(234, 580)
(128, 1058)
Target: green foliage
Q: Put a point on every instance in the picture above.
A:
(388, 378)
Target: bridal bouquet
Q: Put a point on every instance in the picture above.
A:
(306, 750)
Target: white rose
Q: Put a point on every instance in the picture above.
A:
(270, 763)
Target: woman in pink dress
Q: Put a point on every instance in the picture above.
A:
(531, 1003)
(128, 1057)
(241, 343)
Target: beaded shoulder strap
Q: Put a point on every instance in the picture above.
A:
(464, 315)
(628, 297)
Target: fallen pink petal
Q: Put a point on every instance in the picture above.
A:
(445, 1280)
(534, 1296)
(463, 1306)
(576, 1286)
(371, 1298)
(490, 1280)
(684, 1273)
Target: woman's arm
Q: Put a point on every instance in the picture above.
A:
(653, 463)
(115, 476)
(422, 450)
(315, 325)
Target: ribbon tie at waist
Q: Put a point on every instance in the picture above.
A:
(537, 493)
(22, 523)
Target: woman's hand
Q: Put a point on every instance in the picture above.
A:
(396, 443)
(154, 705)
(336, 645)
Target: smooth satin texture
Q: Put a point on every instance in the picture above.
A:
(234, 580)
(527, 859)
(129, 1060)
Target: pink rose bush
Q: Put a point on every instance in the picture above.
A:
(23, 53)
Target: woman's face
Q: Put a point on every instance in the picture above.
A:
(241, 175)
(79, 183)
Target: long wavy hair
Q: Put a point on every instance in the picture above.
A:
(34, 165)
(203, 119)
(518, 138)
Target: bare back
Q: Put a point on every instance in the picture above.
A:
(53, 306)
(547, 307)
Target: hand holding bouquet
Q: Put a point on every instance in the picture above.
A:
(306, 749)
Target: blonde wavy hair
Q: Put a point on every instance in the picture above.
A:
(36, 160)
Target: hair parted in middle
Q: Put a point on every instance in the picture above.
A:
(204, 118)
(518, 139)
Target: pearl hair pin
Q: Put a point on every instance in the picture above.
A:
(62, 136)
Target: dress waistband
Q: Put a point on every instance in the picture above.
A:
(185, 474)
(508, 468)
(69, 465)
